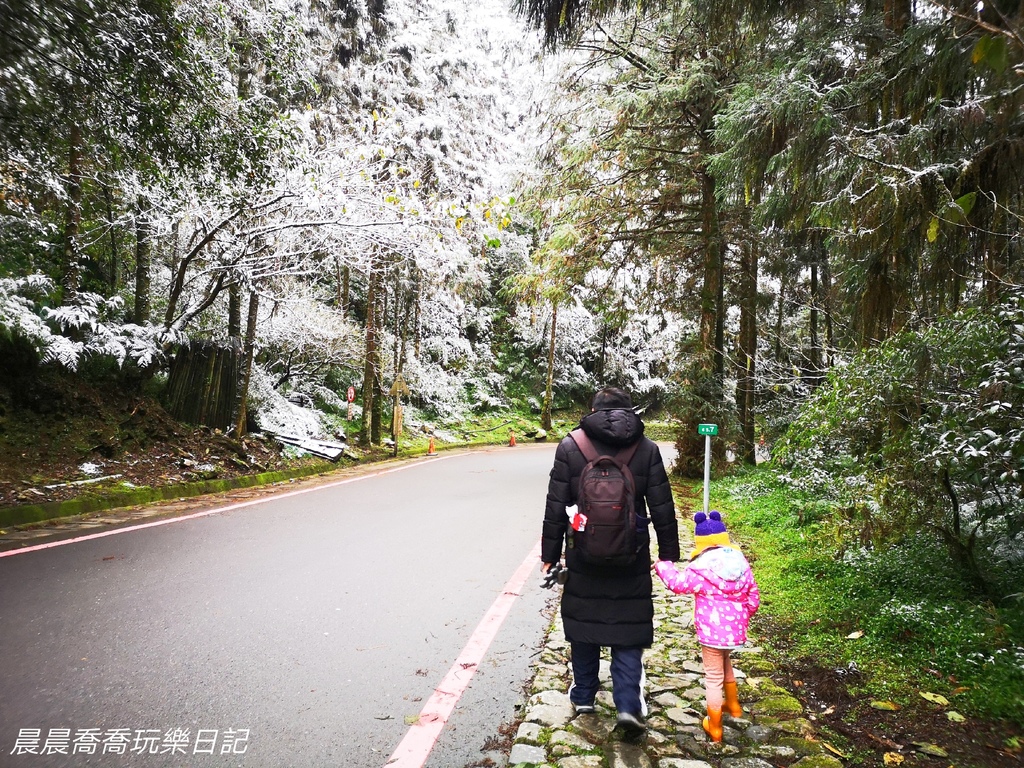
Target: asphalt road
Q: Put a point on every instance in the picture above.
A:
(302, 630)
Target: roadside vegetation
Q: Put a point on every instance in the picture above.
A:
(891, 621)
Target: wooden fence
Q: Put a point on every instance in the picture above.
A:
(203, 383)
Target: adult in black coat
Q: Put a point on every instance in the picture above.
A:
(602, 605)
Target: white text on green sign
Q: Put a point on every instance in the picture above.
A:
(707, 429)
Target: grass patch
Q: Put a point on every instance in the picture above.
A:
(916, 624)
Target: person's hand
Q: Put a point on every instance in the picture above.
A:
(554, 573)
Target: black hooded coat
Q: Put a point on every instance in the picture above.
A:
(600, 604)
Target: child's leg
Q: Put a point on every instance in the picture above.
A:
(732, 699)
(729, 676)
(714, 675)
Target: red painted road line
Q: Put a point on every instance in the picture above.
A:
(413, 750)
(215, 511)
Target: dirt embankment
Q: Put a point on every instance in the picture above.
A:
(61, 437)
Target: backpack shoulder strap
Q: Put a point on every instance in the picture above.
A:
(583, 443)
(626, 454)
(589, 452)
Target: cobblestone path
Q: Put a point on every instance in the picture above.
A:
(773, 731)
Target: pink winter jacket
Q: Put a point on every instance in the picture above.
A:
(725, 594)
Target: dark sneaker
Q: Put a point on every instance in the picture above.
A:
(581, 709)
(631, 725)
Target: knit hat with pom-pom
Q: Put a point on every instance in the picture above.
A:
(709, 531)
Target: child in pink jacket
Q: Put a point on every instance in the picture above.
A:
(725, 597)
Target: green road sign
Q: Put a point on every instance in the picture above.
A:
(707, 429)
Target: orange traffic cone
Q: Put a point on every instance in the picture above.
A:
(512, 438)
(430, 450)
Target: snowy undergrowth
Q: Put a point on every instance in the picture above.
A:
(276, 414)
(87, 325)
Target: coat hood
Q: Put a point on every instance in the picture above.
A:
(724, 566)
(615, 427)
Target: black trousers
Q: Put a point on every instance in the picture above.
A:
(627, 676)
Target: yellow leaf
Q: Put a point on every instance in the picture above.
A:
(935, 698)
(893, 758)
(887, 706)
(933, 229)
(981, 49)
(955, 717)
(833, 750)
(855, 635)
(930, 749)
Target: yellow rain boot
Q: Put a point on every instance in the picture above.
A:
(732, 700)
(713, 724)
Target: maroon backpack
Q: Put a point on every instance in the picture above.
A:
(604, 529)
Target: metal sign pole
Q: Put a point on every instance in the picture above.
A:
(707, 472)
(396, 423)
(707, 430)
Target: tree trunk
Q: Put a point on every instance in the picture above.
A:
(114, 267)
(713, 290)
(416, 329)
(243, 87)
(719, 356)
(826, 280)
(877, 305)
(995, 266)
(815, 342)
(143, 262)
(897, 15)
(247, 356)
(72, 266)
(380, 318)
(545, 415)
(398, 321)
(746, 386)
(779, 317)
(234, 311)
(343, 286)
(370, 355)
(410, 298)
(896, 18)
